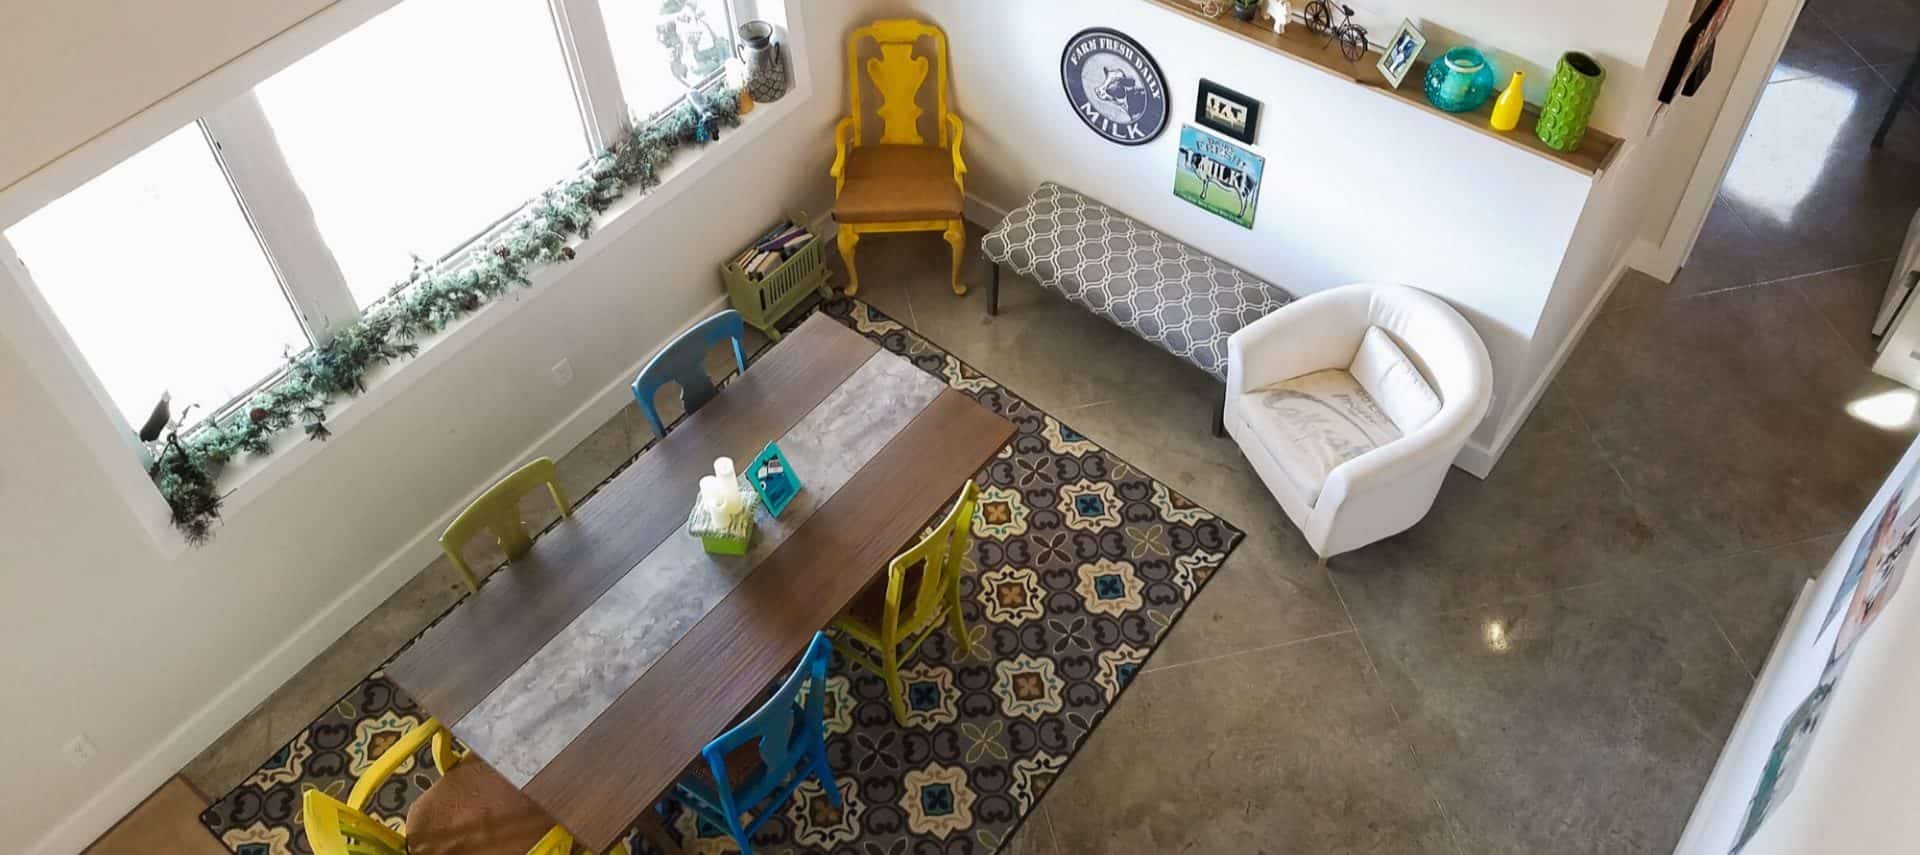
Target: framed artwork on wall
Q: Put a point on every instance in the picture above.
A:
(1218, 176)
(1227, 111)
(1114, 86)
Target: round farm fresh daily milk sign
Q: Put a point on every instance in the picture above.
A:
(1114, 86)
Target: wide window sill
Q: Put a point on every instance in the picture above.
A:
(248, 478)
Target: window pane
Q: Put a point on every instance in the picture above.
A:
(662, 47)
(158, 277)
(414, 133)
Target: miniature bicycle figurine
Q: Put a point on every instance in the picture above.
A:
(1319, 17)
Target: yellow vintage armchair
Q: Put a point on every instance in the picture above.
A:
(471, 810)
(899, 184)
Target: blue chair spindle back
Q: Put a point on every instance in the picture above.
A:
(683, 362)
(791, 741)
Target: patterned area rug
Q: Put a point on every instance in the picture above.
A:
(1080, 565)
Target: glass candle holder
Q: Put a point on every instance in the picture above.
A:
(1460, 80)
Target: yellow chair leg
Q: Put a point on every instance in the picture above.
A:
(896, 691)
(957, 238)
(957, 624)
(460, 565)
(848, 239)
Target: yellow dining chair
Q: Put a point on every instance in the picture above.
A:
(498, 511)
(886, 623)
(900, 184)
(471, 811)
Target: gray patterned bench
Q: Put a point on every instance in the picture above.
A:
(1121, 269)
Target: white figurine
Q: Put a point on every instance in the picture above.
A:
(1281, 10)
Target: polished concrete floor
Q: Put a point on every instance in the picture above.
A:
(1548, 663)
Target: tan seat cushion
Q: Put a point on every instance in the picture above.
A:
(898, 183)
(474, 811)
(1313, 423)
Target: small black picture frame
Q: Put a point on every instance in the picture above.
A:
(1221, 109)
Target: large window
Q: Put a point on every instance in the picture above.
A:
(664, 47)
(198, 265)
(156, 275)
(379, 130)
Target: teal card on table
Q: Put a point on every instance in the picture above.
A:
(774, 479)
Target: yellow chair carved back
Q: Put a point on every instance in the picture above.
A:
(498, 511)
(880, 643)
(900, 183)
(343, 828)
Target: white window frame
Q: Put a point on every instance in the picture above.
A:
(224, 105)
(596, 82)
(244, 143)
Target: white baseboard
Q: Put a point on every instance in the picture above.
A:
(214, 719)
(1654, 260)
(984, 212)
(1479, 458)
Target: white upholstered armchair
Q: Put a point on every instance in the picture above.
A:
(1352, 403)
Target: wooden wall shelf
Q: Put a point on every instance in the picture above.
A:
(1591, 158)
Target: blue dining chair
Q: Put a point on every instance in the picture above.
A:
(684, 362)
(758, 764)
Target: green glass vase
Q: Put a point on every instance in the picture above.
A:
(1576, 85)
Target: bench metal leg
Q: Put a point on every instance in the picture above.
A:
(1899, 101)
(1220, 415)
(993, 292)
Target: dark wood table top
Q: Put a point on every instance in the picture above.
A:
(601, 754)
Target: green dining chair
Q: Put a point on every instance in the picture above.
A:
(888, 621)
(497, 511)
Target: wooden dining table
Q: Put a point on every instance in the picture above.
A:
(592, 670)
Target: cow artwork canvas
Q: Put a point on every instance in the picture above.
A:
(1218, 176)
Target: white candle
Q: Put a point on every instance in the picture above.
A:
(727, 488)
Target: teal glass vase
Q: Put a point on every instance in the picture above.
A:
(1460, 80)
(1570, 98)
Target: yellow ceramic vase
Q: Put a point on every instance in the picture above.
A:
(1506, 110)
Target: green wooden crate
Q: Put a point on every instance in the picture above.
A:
(763, 303)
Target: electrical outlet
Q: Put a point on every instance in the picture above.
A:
(563, 372)
(80, 751)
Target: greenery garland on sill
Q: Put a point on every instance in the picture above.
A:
(187, 469)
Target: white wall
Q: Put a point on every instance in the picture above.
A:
(1609, 225)
(154, 657)
(1530, 35)
(1854, 791)
(1707, 129)
(1359, 187)
(1689, 121)
(71, 69)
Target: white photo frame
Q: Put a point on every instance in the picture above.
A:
(1401, 52)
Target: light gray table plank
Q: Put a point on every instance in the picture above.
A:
(525, 722)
